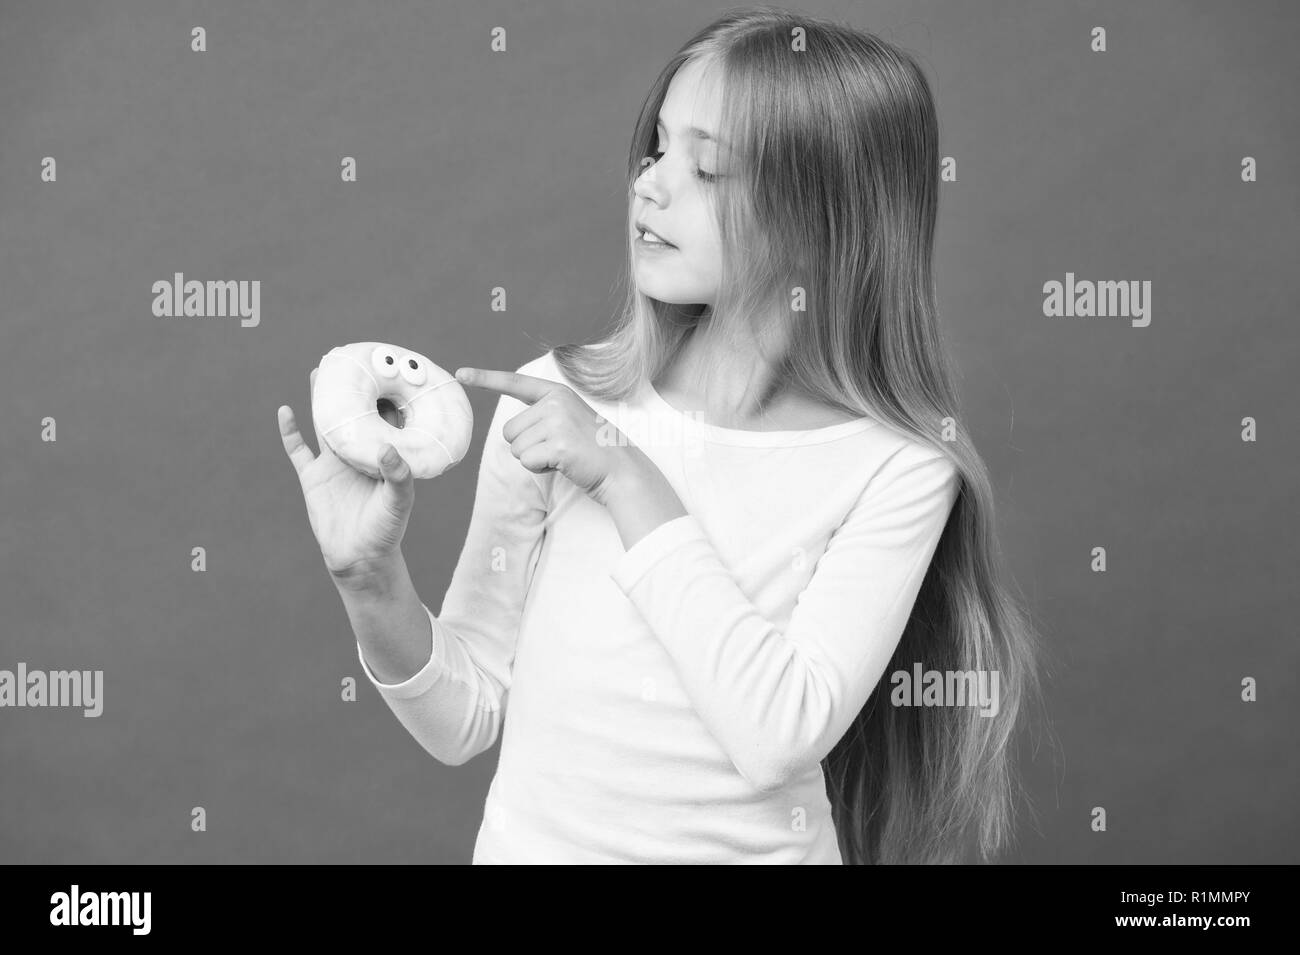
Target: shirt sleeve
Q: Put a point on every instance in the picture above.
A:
(455, 704)
(778, 702)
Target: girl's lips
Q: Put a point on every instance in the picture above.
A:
(641, 243)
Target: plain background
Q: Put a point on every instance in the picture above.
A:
(476, 170)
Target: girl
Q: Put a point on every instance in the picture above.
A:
(709, 554)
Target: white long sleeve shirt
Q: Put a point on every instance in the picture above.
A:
(671, 703)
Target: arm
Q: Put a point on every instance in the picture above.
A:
(390, 623)
(459, 662)
(778, 702)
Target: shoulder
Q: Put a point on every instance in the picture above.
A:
(908, 463)
(543, 366)
(547, 366)
(897, 451)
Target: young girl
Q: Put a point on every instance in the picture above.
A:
(709, 553)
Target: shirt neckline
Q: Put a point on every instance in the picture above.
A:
(740, 436)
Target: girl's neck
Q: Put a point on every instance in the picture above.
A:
(725, 384)
(739, 388)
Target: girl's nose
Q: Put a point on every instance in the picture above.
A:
(647, 184)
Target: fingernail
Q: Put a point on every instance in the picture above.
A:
(464, 374)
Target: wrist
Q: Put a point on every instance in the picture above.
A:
(641, 499)
(635, 477)
(374, 577)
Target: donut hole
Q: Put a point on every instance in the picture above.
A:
(389, 412)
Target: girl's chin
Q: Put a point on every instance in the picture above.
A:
(687, 305)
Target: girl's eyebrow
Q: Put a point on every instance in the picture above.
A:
(695, 131)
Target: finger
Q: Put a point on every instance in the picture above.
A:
(524, 387)
(528, 438)
(294, 445)
(321, 446)
(522, 422)
(539, 458)
(399, 485)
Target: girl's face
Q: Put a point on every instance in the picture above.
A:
(671, 196)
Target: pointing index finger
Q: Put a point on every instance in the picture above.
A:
(524, 387)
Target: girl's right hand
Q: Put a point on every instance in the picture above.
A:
(358, 520)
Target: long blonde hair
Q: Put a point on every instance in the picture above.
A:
(834, 188)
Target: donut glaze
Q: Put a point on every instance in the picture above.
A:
(435, 415)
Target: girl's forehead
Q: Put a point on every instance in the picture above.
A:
(693, 105)
(694, 88)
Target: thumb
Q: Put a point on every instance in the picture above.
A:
(399, 487)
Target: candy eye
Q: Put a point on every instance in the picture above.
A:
(413, 370)
(384, 361)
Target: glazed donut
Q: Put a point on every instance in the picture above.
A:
(353, 384)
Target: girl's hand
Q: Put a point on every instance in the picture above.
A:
(559, 432)
(358, 520)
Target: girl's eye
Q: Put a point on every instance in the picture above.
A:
(699, 173)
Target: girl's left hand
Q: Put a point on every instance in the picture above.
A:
(560, 432)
